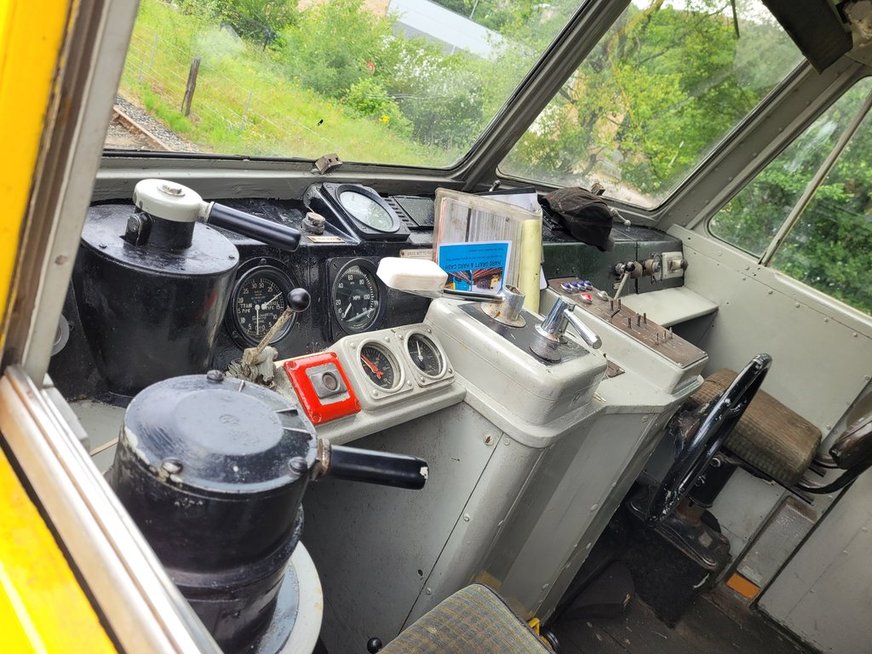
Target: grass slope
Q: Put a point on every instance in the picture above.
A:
(243, 104)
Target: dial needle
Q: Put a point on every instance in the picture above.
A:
(369, 364)
(257, 319)
(362, 314)
(345, 313)
(420, 356)
(272, 299)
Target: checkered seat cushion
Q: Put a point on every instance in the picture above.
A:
(474, 620)
(772, 438)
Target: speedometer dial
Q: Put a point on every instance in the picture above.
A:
(355, 299)
(258, 299)
(379, 365)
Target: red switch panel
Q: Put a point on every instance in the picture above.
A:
(322, 386)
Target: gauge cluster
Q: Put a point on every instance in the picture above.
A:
(337, 267)
(390, 365)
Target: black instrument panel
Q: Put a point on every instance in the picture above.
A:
(338, 269)
(337, 266)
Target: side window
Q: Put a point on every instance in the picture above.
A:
(829, 245)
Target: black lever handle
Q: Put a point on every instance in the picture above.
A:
(373, 467)
(299, 299)
(241, 222)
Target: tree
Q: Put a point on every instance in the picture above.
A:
(257, 20)
(659, 89)
(336, 44)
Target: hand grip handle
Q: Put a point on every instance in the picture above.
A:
(280, 236)
(384, 468)
(586, 333)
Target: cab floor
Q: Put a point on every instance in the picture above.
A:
(713, 624)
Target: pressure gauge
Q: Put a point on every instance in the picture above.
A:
(258, 300)
(425, 355)
(380, 366)
(365, 209)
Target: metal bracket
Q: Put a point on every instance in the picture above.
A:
(327, 163)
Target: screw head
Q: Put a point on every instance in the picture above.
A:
(298, 465)
(215, 376)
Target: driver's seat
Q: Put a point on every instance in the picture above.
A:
(772, 440)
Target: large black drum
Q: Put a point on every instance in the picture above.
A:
(213, 469)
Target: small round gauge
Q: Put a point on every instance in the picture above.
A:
(258, 299)
(425, 355)
(355, 299)
(368, 211)
(379, 366)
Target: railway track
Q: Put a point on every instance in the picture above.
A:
(125, 133)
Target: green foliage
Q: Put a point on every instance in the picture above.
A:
(257, 20)
(244, 103)
(368, 97)
(442, 96)
(335, 45)
(829, 246)
(200, 8)
(494, 14)
(658, 91)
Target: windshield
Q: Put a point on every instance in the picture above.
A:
(663, 86)
(387, 81)
(414, 82)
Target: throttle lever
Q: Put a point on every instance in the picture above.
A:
(298, 300)
(256, 363)
(279, 236)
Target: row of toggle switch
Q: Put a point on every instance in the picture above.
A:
(576, 286)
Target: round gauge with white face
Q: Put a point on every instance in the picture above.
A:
(258, 300)
(355, 299)
(369, 212)
(379, 366)
(425, 355)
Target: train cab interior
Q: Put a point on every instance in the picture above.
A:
(406, 326)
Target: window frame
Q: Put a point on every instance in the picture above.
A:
(764, 260)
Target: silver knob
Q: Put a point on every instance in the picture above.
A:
(554, 324)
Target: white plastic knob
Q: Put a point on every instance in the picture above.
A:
(168, 200)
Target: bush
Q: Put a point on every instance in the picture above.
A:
(368, 97)
(335, 45)
(441, 95)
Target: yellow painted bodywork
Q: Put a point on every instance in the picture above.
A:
(42, 606)
(31, 35)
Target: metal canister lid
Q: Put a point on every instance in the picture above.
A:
(219, 435)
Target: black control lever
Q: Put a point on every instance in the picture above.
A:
(384, 468)
(279, 236)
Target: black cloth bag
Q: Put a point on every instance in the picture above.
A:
(583, 214)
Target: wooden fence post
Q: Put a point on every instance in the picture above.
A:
(191, 86)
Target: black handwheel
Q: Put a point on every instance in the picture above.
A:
(718, 420)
